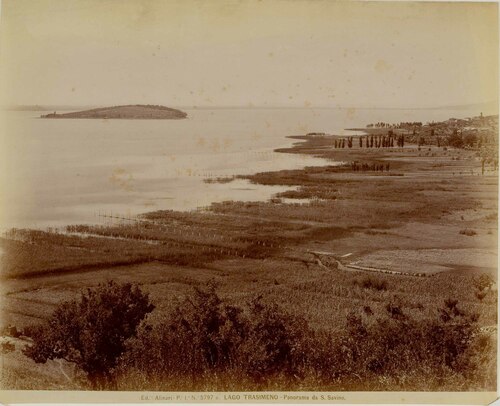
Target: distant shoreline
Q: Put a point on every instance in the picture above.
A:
(376, 131)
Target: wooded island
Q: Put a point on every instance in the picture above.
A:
(135, 111)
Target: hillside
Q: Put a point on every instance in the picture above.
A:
(136, 111)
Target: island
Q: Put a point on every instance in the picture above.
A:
(132, 111)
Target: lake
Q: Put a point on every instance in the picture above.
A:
(58, 172)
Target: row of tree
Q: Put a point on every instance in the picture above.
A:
(407, 124)
(372, 141)
(356, 167)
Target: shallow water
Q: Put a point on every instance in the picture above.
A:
(56, 172)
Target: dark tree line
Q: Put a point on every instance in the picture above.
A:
(372, 141)
(364, 167)
(341, 143)
(381, 141)
(407, 124)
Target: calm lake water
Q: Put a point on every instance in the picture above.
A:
(57, 172)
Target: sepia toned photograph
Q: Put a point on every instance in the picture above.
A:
(248, 201)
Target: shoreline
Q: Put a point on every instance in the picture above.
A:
(308, 181)
(310, 184)
(429, 218)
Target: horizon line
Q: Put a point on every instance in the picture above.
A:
(250, 106)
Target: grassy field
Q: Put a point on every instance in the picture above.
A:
(432, 216)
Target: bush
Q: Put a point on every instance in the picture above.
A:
(410, 354)
(371, 283)
(468, 232)
(91, 332)
(483, 285)
(209, 330)
(209, 345)
(276, 343)
(200, 337)
(205, 339)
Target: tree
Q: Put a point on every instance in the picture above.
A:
(276, 342)
(208, 328)
(455, 140)
(469, 139)
(91, 332)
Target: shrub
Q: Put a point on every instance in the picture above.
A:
(468, 232)
(205, 338)
(276, 343)
(451, 338)
(483, 285)
(406, 351)
(209, 329)
(371, 283)
(207, 344)
(91, 332)
(200, 337)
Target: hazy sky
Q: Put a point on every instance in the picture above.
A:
(261, 53)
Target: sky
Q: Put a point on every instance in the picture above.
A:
(265, 53)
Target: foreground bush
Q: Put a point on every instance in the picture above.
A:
(91, 332)
(209, 345)
(397, 352)
(206, 340)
